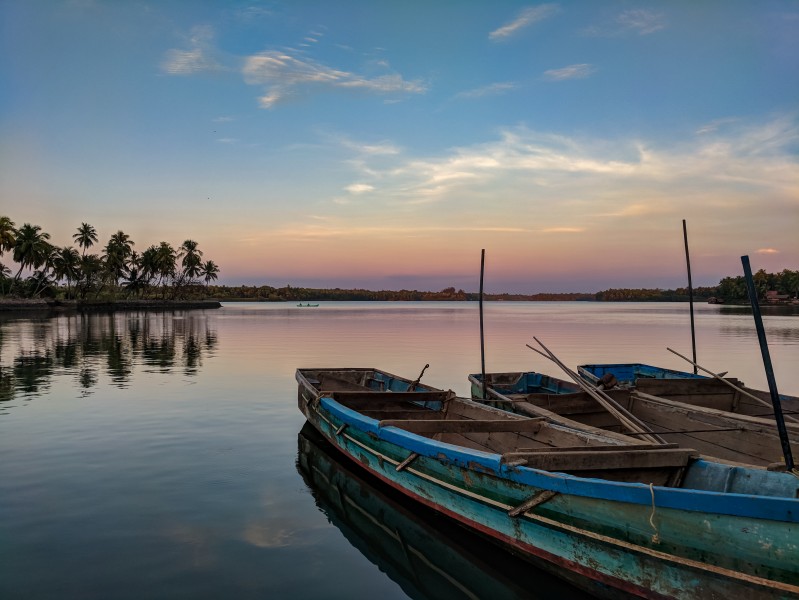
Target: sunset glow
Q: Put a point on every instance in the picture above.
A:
(300, 145)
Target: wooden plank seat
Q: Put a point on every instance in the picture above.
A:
(588, 459)
(364, 399)
(403, 415)
(606, 448)
(465, 425)
(333, 383)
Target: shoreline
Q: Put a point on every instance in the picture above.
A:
(39, 305)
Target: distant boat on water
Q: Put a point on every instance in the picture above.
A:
(309, 305)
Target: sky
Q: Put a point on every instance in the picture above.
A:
(384, 144)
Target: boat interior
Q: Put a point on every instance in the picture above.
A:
(704, 414)
(537, 442)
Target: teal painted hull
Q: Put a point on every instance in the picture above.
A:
(653, 542)
(427, 556)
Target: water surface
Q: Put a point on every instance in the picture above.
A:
(157, 455)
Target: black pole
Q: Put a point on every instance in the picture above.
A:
(772, 383)
(482, 337)
(690, 292)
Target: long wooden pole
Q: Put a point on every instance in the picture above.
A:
(690, 291)
(482, 334)
(627, 419)
(741, 391)
(772, 383)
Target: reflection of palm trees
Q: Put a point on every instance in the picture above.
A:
(32, 371)
(114, 345)
(6, 384)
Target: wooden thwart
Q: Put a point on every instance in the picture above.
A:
(614, 448)
(465, 425)
(588, 460)
(364, 398)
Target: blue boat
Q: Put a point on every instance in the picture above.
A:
(601, 509)
(626, 374)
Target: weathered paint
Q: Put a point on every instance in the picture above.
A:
(627, 373)
(708, 544)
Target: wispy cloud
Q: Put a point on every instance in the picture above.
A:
(526, 17)
(767, 251)
(199, 57)
(369, 149)
(618, 179)
(636, 21)
(285, 74)
(641, 21)
(346, 229)
(715, 125)
(288, 72)
(493, 89)
(359, 188)
(580, 71)
(563, 230)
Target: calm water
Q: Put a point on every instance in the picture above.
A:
(161, 455)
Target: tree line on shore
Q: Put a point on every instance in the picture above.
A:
(163, 271)
(160, 271)
(730, 289)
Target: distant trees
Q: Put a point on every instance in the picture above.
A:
(118, 270)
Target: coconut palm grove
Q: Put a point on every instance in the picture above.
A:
(165, 272)
(87, 271)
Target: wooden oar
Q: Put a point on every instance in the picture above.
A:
(416, 381)
(624, 417)
(730, 384)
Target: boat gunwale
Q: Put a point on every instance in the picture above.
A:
(770, 508)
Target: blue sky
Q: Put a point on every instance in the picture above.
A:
(383, 144)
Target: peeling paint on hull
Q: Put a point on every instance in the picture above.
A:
(730, 552)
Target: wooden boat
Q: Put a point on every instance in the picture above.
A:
(309, 305)
(694, 411)
(633, 518)
(626, 374)
(427, 556)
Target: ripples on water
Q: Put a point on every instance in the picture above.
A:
(153, 454)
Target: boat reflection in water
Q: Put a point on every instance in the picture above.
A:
(429, 557)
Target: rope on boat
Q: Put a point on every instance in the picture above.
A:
(656, 535)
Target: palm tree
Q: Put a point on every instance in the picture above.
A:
(117, 252)
(191, 259)
(209, 271)
(89, 274)
(135, 278)
(49, 257)
(7, 234)
(165, 263)
(86, 237)
(67, 266)
(30, 248)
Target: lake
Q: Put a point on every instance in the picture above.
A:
(162, 454)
